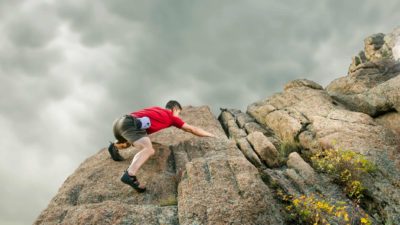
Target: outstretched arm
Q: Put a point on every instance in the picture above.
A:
(196, 131)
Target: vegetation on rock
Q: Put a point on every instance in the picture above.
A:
(347, 169)
(285, 148)
(313, 209)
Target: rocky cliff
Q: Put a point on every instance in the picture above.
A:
(306, 155)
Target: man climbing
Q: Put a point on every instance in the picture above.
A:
(134, 129)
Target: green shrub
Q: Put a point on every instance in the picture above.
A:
(346, 167)
(315, 210)
(287, 147)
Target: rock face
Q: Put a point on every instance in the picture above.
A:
(343, 117)
(218, 186)
(221, 187)
(239, 177)
(371, 85)
(304, 169)
(316, 121)
(264, 148)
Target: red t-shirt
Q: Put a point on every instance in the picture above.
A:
(160, 118)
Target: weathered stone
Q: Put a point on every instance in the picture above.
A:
(224, 118)
(390, 120)
(243, 118)
(248, 152)
(220, 186)
(370, 84)
(110, 212)
(373, 45)
(304, 169)
(285, 125)
(234, 131)
(393, 40)
(255, 127)
(264, 148)
(357, 60)
(364, 77)
(375, 66)
(278, 179)
(89, 196)
(298, 180)
(317, 121)
(302, 83)
(230, 120)
(230, 126)
(259, 110)
(380, 99)
(234, 112)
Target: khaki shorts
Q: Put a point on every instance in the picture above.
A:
(126, 129)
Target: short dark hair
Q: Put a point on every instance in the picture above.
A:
(173, 104)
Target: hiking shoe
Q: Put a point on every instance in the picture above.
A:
(132, 181)
(114, 152)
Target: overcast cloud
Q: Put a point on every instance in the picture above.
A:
(68, 68)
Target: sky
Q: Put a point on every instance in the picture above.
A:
(69, 68)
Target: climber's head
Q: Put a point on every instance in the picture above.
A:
(174, 106)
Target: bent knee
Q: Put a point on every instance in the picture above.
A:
(151, 151)
(143, 143)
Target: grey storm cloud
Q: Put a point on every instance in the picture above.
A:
(68, 68)
(221, 41)
(26, 33)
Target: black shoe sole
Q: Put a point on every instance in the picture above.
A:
(114, 153)
(127, 180)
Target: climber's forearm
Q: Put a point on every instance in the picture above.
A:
(196, 131)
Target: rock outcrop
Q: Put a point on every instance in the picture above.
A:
(218, 184)
(372, 83)
(357, 112)
(315, 120)
(259, 158)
